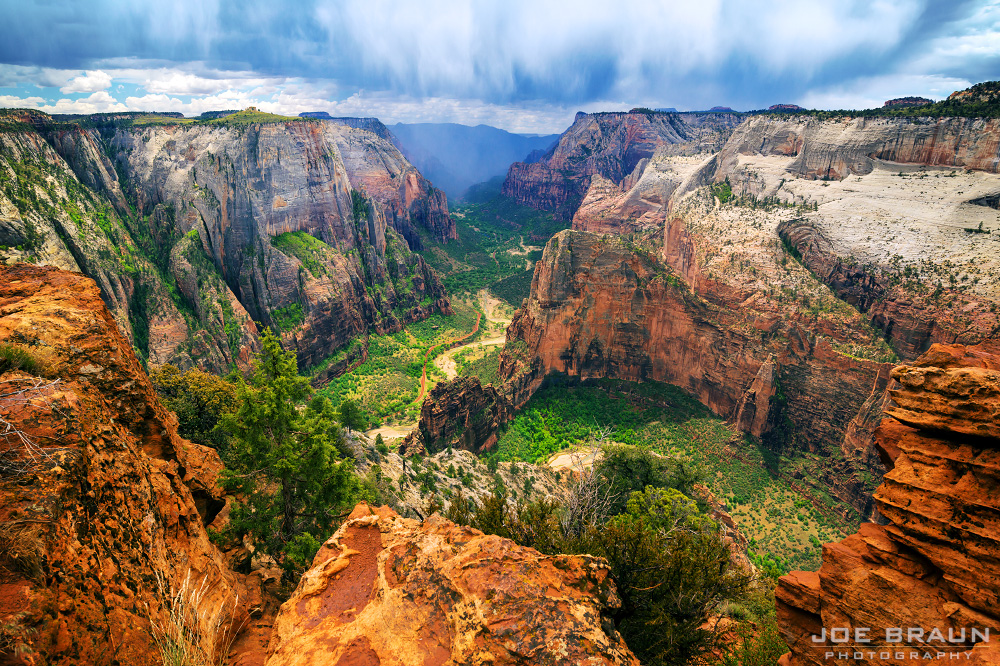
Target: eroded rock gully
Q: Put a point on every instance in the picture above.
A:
(936, 564)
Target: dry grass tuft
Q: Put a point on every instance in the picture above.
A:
(194, 632)
(34, 360)
(21, 549)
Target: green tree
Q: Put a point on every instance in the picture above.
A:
(283, 461)
(351, 416)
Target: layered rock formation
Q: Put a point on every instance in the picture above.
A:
(392, 591)
(196, 232)
(839, 148)
(374, 162)
(103, 507)
(936, 564)
(611, 145)
(910, 319)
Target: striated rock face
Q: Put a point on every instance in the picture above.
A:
(393, 591)
(375, 164)
(837, 149)
(299, 177)
(600, 309)
(936, 564)
(205, 231)
(610, 145)
(117, 498)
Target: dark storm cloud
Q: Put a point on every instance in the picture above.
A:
(746, 54)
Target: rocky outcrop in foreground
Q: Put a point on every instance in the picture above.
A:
(393, 591)
(100, 499)
(936, 564)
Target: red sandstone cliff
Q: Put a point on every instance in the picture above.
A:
(936, 564)
(116, 498)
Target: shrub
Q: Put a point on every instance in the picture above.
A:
(21, 549)
(199, 399)
(32, 360)
(283, 461)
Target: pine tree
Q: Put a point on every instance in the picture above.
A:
(351, 416)
(283, 461)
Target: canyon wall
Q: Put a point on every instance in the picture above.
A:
(611, 145)
(104, 509)
(839, 147)
(911, 320)
(602, 307)
(935, 565)
(759, 278)
(199, 233)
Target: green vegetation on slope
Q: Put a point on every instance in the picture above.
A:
(250, 116)
(980, 101)
(388, 382)
(307, 249)
(669, 563)
(786, 527)
(490, 250)
(287, 461)
(199, 400)
(480, 362)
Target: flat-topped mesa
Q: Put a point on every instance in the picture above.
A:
(393, 591)
(112, 514)
(610, 145)
(936, 564)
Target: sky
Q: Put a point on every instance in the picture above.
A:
(523, 65)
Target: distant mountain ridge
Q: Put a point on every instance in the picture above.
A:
(455, 157)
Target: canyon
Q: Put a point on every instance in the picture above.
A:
(827, 285)
(775, 269)
(106, 516)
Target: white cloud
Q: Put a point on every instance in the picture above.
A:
(88, 82)
(98, 102)
(15, 102)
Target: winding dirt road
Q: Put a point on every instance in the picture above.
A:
(495, 320)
